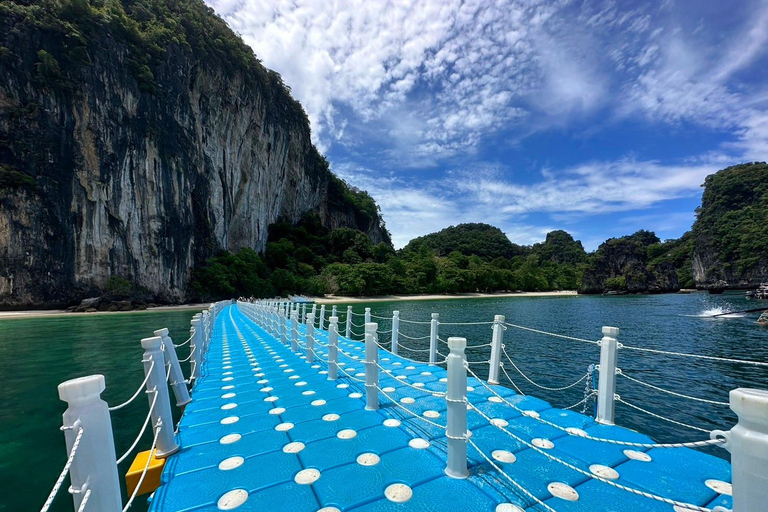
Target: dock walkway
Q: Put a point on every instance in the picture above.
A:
(267, 430)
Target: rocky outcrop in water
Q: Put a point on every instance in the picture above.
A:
(624, 265)
(127, 151)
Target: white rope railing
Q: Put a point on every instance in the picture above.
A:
(619, 371)
(143, 427)
(695, 356)
(138, 391)
(415, 322)
(561, 336)
(412, 338)
(466, 323)
(541, 386)
(589, 474)
(412, 349)
(63, 474)
(189, 356)
(184, 343)
(158, 428)
(571, 431)
(659, 416)
(84, 501)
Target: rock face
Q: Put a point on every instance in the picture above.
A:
(622, 265)
(731, 229)
(103, 174)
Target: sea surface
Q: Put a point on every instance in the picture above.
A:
(37, 354)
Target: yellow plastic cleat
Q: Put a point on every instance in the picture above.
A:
(151, 481)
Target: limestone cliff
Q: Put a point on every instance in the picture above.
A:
(132, 154)
(731, 229)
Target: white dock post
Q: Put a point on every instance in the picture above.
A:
(606, 387)
(196, 348)
(456, 398)
(371, 367)
(166, 444)
(295, 330)
(333, 312)
(284, 327)
(303, 312)
(748, 444)
(496, 341)
(93, 467)
(322, 317)
(309, 338)
(349, 323)
(395, 329)
(333, 353)
(178, 384)
(314, 310)
(367, 315)
(433, 338)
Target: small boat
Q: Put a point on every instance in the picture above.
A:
(763, 320)
(760, 293)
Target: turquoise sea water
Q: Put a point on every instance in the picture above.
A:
(37, 354)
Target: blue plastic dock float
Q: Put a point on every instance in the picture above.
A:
(266, 430)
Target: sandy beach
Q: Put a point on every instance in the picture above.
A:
(51, 313)
(332, 299)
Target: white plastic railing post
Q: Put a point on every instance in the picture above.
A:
(748, 444)
(395, 328)
(322, 317)
(334, 312)
(371, 367)
(161, 414)
(303, 312)
(180, 390)
(94, 465)
(196, 349)
(333, 354)
(456, 398)
(433, 338)
(309, 338)
(367, 315)
(349, 323)
(606, 387)
(284, 327)
(314, 310)
(295, 330)
(496, 341)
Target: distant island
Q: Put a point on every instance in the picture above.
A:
(148, 157)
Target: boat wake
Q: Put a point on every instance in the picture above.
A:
(719, 310)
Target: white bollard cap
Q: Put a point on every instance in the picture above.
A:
(499, 318)
(195, 322)
(152, 343)
(457, 343)
(396, 313)
(610, 331)
(162, 332)
(435, 316)
(750, 405)
(333, 319)
(367, 309)
(82, 389)
(371, 327)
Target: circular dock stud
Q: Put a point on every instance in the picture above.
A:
(391, 422)
(604, 471)
(407, 400)
(307, 476)
(227, 407)
(284, 427)
(504, 456)
(329, 509)
(398, 493)
(331, 417)
(576, 432)
(431, 414)
(318, 402)
(388, 389)
(271, 399)
(231, 463)
(499, 422)
(294, 447)
(230, 420)
(277, 410)
(531, 414)
(232, 499)
(563, 491)
(308, 392)
(508, 507)
(543, 443)
(347, 433)
(720, 487)
(418, 443)
(636, 455)
(230, 438)
(355, 395)
(368, 459)
(227, 396)
(498, 400)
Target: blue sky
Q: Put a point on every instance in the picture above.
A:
(597, 117)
